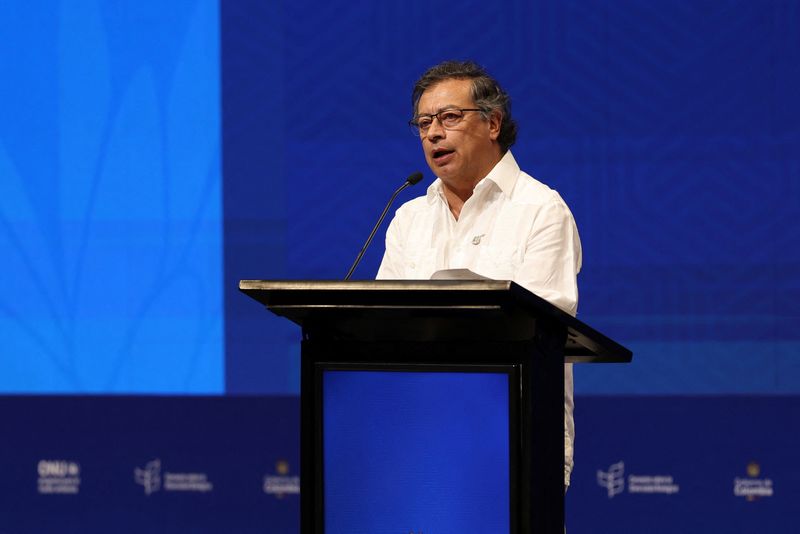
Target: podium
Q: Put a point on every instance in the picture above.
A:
(431, 406)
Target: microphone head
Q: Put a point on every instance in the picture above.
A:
(415, 178)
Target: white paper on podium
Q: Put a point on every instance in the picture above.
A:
(457, 274)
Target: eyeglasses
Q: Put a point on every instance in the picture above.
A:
(448, 118)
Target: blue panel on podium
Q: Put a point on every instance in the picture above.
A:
(408, 451)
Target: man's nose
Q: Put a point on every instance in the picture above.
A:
(435, 130)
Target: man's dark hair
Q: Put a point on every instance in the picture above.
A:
(486, 92)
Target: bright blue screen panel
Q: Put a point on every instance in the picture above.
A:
(110, 202)
(416, 452)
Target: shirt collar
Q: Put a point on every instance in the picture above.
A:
(504, 175)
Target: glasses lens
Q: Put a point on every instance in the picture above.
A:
(450, 117)
(423, 123)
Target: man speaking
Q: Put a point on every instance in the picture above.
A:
(483, 213)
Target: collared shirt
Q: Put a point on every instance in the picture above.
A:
(511, 228)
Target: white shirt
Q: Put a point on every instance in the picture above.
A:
(511, 228)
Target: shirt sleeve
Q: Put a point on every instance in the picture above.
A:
(569, 423)
(552, 257)
(550, 269)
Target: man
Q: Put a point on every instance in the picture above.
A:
(483, 213)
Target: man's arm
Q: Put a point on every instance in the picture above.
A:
(553, 257)
(391, 267)
(550, 269)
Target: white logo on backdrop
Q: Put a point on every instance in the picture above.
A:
(149, 476)
(281, 483)
(152, 479)
(754, 486)
(612, 480)
(58, 477)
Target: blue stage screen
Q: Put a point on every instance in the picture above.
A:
(416, 451)
(110, 198)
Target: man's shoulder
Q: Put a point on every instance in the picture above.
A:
(519, 186)
(415, 205)
(530, 191)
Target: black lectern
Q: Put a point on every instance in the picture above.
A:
(431, 406)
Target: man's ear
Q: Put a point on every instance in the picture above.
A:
(495, 122)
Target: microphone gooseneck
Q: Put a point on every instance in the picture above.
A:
(411, 180)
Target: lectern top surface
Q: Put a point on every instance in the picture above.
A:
(378, 285)
(369, 300)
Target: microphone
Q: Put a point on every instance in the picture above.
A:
(414, 179)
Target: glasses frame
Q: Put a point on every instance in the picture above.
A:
(414, 123)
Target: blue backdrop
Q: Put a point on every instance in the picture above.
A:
(671, 130)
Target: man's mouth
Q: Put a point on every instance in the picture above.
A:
(441, 154)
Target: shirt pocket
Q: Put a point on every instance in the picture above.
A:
(498, 263)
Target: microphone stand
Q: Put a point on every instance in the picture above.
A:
(411, 180)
